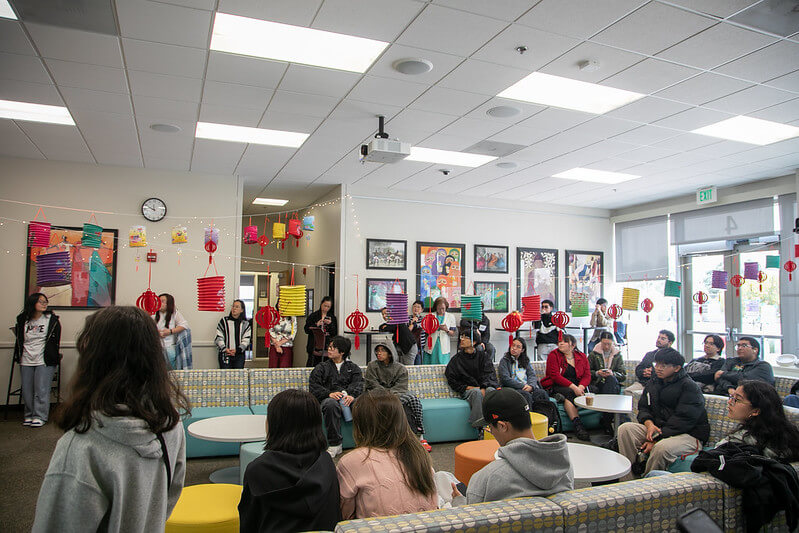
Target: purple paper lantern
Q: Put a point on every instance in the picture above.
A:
(397, 306)
(751, 270)
(53, 269)
(718, 279)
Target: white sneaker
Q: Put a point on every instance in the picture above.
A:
(335, 450)
(37, 423)
(27, 421)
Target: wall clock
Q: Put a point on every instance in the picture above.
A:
(153, 209)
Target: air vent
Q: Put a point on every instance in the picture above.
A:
(497, 149)
(780, 17)
(87, 15)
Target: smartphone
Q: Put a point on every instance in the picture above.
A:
(697, 521)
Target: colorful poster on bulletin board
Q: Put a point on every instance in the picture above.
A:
(440, 272)
(536, 273)
(584, 271)
(94, 273)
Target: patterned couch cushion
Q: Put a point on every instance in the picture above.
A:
(266, 383)
(215, 388)
(783, 385)
(525, 514)
(428, 382)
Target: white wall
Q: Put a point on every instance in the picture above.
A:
(424, 217)
(192, 200)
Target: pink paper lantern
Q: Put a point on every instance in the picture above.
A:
(718, 280)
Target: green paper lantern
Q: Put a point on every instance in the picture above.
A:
(471, 307)
(579, 305)
(672, 288)
(772, 261)
(92, 235)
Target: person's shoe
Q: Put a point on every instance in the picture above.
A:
(579, 430)
(335, 450)
(27, 421)
(425, 445)
(612, 445)
(37, 423)
(606, 423)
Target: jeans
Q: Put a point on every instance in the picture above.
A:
(409, 358)
(475, 399)
(231, 361)
(792, 400)
(332, 415)
(36, 382)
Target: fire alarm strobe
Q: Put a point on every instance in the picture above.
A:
(152, 257)
(381, 149)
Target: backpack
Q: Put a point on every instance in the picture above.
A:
(549, 410)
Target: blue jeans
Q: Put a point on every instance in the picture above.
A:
(36, 381)
(792, 400)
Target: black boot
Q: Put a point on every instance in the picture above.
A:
(606, 423)
(579, 430)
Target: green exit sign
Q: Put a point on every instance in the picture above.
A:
(706, 196)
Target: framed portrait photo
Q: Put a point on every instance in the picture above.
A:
(536, 273)
(490, 259)
(376, 290)
(493, 294)
(584, 274)
(440, 272)
(386, 254)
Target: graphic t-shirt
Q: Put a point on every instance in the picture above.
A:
(35, 337)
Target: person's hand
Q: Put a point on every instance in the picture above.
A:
(455, 491)
(576, 389)
(164, 332)
(647, 446)
(718, 374)
(482, 391)
(327, 320)
(604, 373)
(651, 430)
(348, 399)
(647, 372)
(582, 389)
(231, 351)
(278, 348)
(336, 395)
(442, 327)
(469, 387)
(527, 388)
(319, 324)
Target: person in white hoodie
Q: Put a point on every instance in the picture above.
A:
(121, 464)
(524, 466)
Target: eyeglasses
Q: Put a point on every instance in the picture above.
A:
(735, 399)
(743, 345)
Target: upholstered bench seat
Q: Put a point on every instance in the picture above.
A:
(447, 419)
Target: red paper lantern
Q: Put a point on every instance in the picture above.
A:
(211, 294)
(789, 267)
(737, 280)
(430, 325)
(357, 322)
(646, 306)
(267, 317)
(250, 234)
(210, 247)
(511, 323)
(263, 240)
(149, 302)
(560, 320)
(615, 311)
(295, 228)
(761, 277)
(700, 298)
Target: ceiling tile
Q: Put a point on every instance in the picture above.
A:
(653, 28)
(165, 86)
(315, 80)
(386, 90)
(518, 134)
(718, 8)
(107, 132)
(685, 142)
(548, 122)
(216, 157)
(155, 144)
(611, 61)
(219, 93)
(85, 76)
(776, 60)
(430, 176)
(208, 5)
(542, 47)
(650, 75)
(440, 100)
(391, 174)
(23, 68)
(418, 121)
(785, 113)
(231, 68)
(577, 18)
(703, 88)
(165, 108)
(74, 45)
(470, 127)
(789, 82)
(716, 45)
(34, 93)
(131, 158)
(289, 122)
(57, 142)
(729, 150)
(693, 118)
(750, 99)
(164, 58)
(164, 23)
(648, 109)
(481, 77)
(645, 154)
(382, 20)
(302, 104)
(97, 100)
(442, 64)
(443, 141)
(13, 40)
(223, 114)
(450, 31)
(295, 12)
(646, 135)
(14, 142)
(264, 161)
(172, 163)
(499, 9)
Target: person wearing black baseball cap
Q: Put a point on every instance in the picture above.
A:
(524, 466)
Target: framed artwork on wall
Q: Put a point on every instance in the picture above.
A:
(440, 272)
(386, 254)
(493, 294)
(86, 279)
(490, 259)
(376, 290)
(536, 273)
(584, 274)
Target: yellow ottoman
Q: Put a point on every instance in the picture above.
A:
(540, 427)
(211, 508)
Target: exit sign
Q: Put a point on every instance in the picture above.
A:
(706, 196)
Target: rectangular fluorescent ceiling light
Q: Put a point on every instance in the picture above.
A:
(598, 176)
(52, 114)
(282, 42)
(446, 157)
(749, 130)
(242, 134)
(5, 10)
(269, 201)
(545, 89)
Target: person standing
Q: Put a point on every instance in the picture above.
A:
(546, 339)
(281, 349)
(36, 350)
(600, 322)
(320, 326)
(233, 334)
(170, 325)
(401, 336)
(447, 328)
(415, 326)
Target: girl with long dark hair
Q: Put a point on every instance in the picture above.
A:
(120, 465)
(389, 472)
(568, 375)
(233, 334)
(516, 372)
(36, 349)
(170, 324)
(321, 323)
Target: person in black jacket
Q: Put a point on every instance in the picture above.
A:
(672, 420)
(323, 322)
(471, 374)
(404, 341)
(546, 338)
(293, 485)
(643, 371)
(747, 365)
(483, 327)
(336, 382)
(703, 369)
(36, 349)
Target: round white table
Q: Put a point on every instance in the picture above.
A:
(231, 428)
(618, 404)
(591, 463)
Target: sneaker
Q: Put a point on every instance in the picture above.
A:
(425, 445)
(579, 430)
(335, 450)
(37, 423)
(27, 421)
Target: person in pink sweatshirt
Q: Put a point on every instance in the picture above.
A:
(389, 472)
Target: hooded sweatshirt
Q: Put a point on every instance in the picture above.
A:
(290, 492)
(391, 376)
(111, 478)
(524, 467)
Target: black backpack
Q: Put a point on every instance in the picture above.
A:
(549, 410)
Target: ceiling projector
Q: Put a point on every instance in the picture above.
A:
(381, 149)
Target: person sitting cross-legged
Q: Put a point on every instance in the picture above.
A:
(672, 420)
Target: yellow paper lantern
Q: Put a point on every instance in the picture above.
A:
(292, 300)
(629, 299)
(278, 231)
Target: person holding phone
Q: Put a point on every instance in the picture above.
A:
(324, 322)
(607, 372)
(447, 329)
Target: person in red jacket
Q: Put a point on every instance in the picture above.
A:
(567, 376)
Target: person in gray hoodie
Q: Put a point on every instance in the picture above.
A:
(747, 365)
(524, 466)
(121, 464)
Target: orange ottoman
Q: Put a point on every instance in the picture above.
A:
(472, 456)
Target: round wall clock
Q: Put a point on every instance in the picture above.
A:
(153, 209)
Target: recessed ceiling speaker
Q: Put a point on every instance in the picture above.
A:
(412, 66)
(502, 111)
(165, 128)
(506, 164)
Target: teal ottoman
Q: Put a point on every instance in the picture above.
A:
(250, 451)
(205, 448)
(446, 420)
(346, 427)
(590, 418)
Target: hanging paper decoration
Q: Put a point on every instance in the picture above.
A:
(278, 231)
(357, 322)
(511, 323)
(294, 228)
(397, 307)
(789, 267)
(579, 301)
(267, 317)
(92, 234)
(629, 299)
(211, 235)
(796, 250)
(672, 288)
(751, 270)
(137, 237)
(559, 320)
(53, 269)
(718, 280)
(430, 325)
(736, 281)
(308, 223)
(211, 293)
(180, 235)
(700, 298)
(531, 308)
(292, 300)
(615, 311)
(250, 233)
(646, 306)
(149, 301)
(772, 261)
(471, 307)
(39, 231)
(761, 277)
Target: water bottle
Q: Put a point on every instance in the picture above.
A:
(346, 412)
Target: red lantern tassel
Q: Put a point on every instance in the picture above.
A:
(647, 319)
(510, 340)
(429, 342)
(737, 292)
(560, 335)
(357, 341)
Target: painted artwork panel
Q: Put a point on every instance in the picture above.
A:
(537, 273)
(440, 272)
